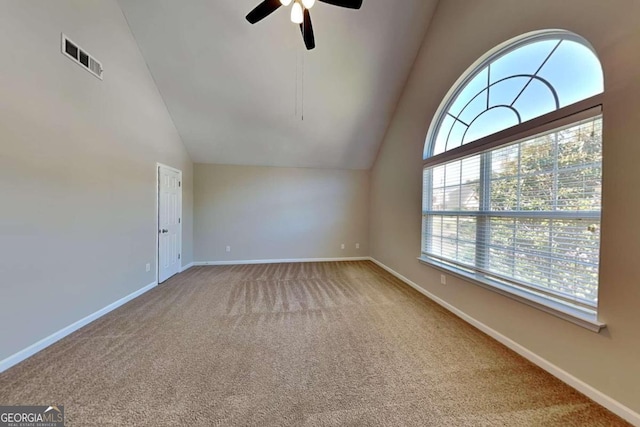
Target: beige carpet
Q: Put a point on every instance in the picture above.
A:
(319, 344)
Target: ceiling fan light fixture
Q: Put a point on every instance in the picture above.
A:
(299, 14)
(296, 13)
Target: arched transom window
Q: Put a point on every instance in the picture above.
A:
(512, 178)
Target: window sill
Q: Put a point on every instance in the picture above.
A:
(571, 314)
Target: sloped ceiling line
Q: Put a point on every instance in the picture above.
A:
(228, 84)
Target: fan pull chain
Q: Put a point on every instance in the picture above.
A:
(299, 83)
(302, 102)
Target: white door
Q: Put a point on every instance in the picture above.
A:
(169, 222)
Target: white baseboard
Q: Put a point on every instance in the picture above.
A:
(186, 267)
(594, 394)
(279, 261)
(56, 336)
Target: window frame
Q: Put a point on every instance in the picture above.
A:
(563, 117)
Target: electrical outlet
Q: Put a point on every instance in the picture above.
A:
(148, 267)
(443, 279)
(228, 249)
(342, 246)
(357, 245)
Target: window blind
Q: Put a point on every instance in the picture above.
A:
(526, 214)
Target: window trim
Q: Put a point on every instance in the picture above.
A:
(572, 311)
(546, 304)
(579, 314)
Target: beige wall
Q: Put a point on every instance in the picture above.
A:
(279, 213)
(77, 167)
(461, 32)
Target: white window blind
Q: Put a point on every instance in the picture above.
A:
(525, 214)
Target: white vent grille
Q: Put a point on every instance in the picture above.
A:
(80, 56)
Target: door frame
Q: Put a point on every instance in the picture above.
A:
(158, 166)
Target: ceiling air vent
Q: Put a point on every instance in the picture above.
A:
(80, 56)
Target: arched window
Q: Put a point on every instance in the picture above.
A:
(512, 174)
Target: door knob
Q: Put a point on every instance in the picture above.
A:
(164, 230)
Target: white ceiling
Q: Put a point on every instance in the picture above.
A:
(236, 91)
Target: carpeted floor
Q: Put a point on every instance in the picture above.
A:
(318, 344)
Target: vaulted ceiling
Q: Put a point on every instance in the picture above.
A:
(252, 95)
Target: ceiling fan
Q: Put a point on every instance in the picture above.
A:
(299, 14)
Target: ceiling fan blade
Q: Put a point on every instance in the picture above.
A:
(264, 9)
(351, 4)
(307, 31)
